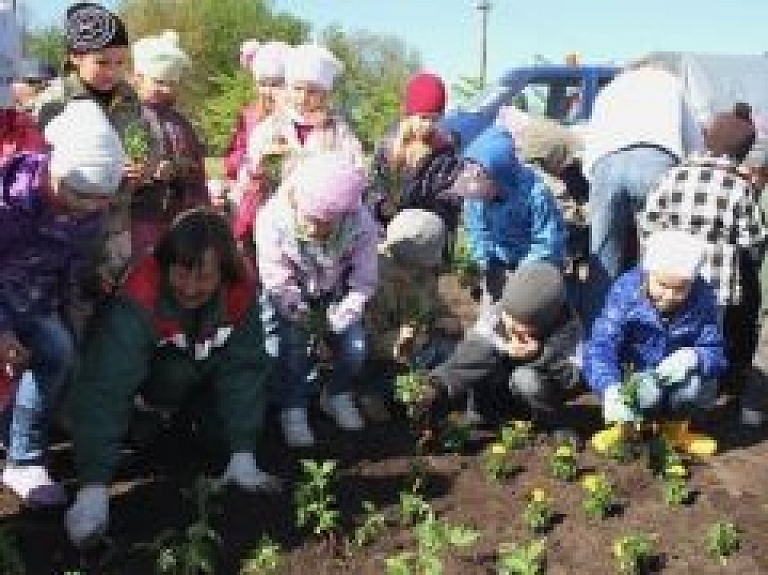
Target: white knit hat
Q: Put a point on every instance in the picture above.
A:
(264, 60)
(160, 57)
(10, 53)
(675, 253)
(86, 150)
(312, 63)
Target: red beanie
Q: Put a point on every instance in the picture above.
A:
(425, 94)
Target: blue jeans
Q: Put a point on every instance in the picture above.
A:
(620, 183)
(25, 423)
(288, 342)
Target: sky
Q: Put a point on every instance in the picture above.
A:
(447, 33)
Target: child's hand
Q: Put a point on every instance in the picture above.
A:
(409, 341)
(522, 347)
(135, 174)
(11, 350)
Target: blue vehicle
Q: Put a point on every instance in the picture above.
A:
(562, 92)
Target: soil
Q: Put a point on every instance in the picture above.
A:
(374, 465)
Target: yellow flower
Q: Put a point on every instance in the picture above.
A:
(538, 496)
(522, 425)
(592, 482)
(498, 449)
(676, 470)
(564, 451)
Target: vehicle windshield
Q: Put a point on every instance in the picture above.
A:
(489, 97)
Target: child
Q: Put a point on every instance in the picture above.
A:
(178, 182)
(318, 266)
(511, 216)
(34, 77)
(530, 340)
(404, 318)
(254, 185)
(660, 322)
(415, 167)
(308, 124)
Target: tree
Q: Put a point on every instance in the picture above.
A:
(49, 44)
(467, 89)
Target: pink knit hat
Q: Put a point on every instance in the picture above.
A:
(328, 185)
(425, 94)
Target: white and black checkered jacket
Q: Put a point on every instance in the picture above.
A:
(707, 197)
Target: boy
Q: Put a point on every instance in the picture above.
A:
(660, 319)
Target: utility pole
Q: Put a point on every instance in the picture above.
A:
(484, 6)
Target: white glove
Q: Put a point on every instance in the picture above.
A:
(87, 518)
(243, 472)
(614, 409)
(677, 365)
(340, 318)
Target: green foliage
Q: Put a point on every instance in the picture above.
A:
(517, 434)
(314, 498)
(599, 497)
(455, 434)
(411, 389)
(374, 524)
(136, 142)
(466, 90)
(498, 463)
(462, 263)
(228, 94)
(412, 506)
(49, 44)
(522, 560)
(264, 559)
(538, 513)
(633, 553)
(563, 464)
(11, 562)
(723, 540)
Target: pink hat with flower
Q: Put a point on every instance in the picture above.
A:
(327, 186)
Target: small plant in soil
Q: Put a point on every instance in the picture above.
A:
(264, 559)
(136, 142)
(455, 434)
(373, 526)
(517, 434)
(633, 553)
(411, 389)
(10, 558)
(723, 540)
(675, 484)
(412, 506)
(538, 513)
(434, 537)
(463, 264)
(498, 464)
(193, 551)
(563, 464)
(599, 497)
(315, 500)
(522, 559)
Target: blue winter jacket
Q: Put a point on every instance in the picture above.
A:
(630, 331)
(525, 223)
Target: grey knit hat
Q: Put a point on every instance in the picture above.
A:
(417, 238)
(758, 155)
(535, 295)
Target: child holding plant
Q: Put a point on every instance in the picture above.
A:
(317, 248)
(530, 339)
(661, 319)
(178, 182)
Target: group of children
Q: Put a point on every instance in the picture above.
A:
(112, 262)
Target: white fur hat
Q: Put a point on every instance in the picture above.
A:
(86, 150)
(160, 57)
(675, 253)
(264, 60)
(314, 64)
(10, 53)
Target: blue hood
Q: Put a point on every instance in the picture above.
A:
(494, 149)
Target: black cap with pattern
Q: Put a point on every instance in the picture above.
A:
(91, 27)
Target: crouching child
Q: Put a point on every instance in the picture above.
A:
(660, 321)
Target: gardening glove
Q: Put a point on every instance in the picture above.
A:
(243, 472)
(87, 518)
(677, 365)
(343, 314)
(614, 409)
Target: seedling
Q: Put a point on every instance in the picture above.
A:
(136, 142)
(434, 536)
(563, 464)
(411, 389)
(374, 524)
(522, 560)
(413, 507)
(194, 550)
(633, 553)
(599, 497)
(315, 502)
(264, 559)
(675, 485)
(455, 434)
(463, 264)
(517, 434)
(497, 462)
(538, 513)
(10, 558)
(723, 540)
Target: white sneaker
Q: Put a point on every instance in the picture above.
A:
(296, 427)
(343, 411)
(33, 485)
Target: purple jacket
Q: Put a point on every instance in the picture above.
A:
(42, 254)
